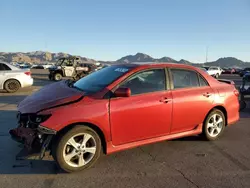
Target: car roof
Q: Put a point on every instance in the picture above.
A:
(154, 64)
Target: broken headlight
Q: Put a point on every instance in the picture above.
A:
(39, 118)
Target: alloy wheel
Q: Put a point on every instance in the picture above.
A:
(79, 150)
(215, 125)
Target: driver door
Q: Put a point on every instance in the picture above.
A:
(68, 68)
(147, 113)
(68, 71)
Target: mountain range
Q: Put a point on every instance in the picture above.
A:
(37, 57)
(41, 57)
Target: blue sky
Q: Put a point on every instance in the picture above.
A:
(110, 29)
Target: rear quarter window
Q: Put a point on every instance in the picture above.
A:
(203, 81)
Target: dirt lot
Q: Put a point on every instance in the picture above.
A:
(187, 162)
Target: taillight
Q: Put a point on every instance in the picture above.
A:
(236, 92)
(28, 73)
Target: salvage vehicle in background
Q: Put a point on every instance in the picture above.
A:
(204, 69)
(244, 71)
(121, 107)
(228, 71)
(70, 67)
(245, 91)
(13, 78)
(214, 71)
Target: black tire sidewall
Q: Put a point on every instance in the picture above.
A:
(205, 131)
(59, 146)
(9, 90)
(57, 74)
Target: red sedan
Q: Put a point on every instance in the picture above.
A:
(121, 107)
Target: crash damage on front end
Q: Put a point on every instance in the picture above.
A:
(35, 138)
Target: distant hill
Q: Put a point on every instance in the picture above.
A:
(41, 57)
(140, 57)
(37, 57)
(228, 62)
(222, 62)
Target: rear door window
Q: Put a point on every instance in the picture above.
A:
(184, 78)
(4, 67)
(203, 82)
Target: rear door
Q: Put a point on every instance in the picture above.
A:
(192, 99)
(4, 70)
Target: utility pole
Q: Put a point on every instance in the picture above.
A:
(206, 53)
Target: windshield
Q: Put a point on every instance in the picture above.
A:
(59, 62)
(100, 79)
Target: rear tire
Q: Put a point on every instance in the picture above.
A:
(71, 156)
(243, 105)
(12, 86)
(214, 125)
(57, 77)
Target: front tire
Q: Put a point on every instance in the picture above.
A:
(214, 125)
(57, 77)
(12, 86)
(78, 149)
(217, 76)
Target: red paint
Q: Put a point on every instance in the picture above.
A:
(130, 121)
(123, 92)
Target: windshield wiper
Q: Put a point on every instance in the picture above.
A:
(70, 83)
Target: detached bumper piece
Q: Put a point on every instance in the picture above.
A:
(35, 141)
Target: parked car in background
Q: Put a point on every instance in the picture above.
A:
(228, 71)
(121, 107)
(214, 71)
(25, 66)
(47, 66)
(237, 70)
(37, 67)
(244, 71)
(13, 78)
(204, 69)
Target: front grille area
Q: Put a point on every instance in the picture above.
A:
(24, 121)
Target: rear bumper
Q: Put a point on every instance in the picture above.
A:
(28, 82)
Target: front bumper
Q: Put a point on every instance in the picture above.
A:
(35, 140)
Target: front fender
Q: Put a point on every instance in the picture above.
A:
(95, 112)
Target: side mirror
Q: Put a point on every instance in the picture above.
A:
(122, 92)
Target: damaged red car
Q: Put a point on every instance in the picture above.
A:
(121, 107)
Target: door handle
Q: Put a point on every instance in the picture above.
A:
(206, 94)
(165, 100)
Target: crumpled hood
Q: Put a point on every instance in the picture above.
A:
(49, 96)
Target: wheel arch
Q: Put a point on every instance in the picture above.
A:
(222, 109)
(87, 124)
(11, 79)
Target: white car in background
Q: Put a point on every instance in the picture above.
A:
(13, 78)
(214, 71)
